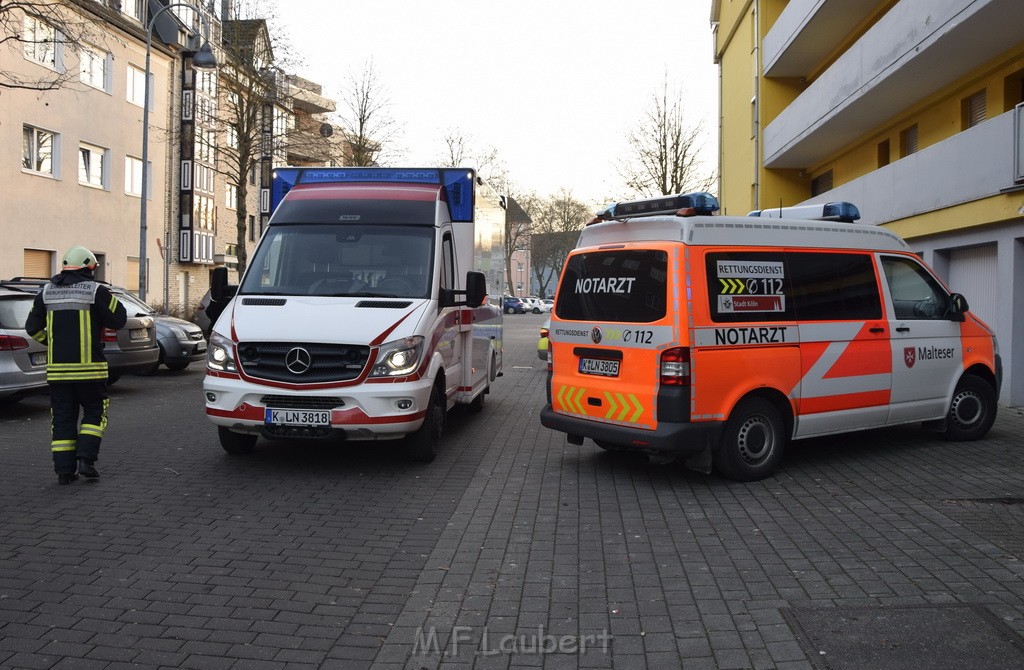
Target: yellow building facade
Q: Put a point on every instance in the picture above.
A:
(911, 109)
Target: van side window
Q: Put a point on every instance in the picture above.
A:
(749, 286)
(447, 262)
(915, 292)
(834, 286)
(790, 286)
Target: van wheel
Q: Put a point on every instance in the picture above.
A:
(972, 410)
(752, 441)
(420, 446)
(236, 443)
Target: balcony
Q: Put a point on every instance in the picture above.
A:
(917, 48)
(807, 32)
(978, 163)
(307, 97)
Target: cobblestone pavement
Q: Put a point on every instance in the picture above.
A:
(885, 549)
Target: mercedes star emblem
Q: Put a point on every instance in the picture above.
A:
(298, 361)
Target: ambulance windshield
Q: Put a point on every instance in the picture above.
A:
(391, 261)
(620, 285)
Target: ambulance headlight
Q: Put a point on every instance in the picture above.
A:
(220, 354)
(398, 358)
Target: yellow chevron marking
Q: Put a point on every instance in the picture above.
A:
(733, 285)
(638, 406)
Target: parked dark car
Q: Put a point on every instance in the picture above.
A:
(22, 359)
(131, 350)
(513, 305)
(181, 342)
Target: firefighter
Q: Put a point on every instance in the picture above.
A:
(68, 316)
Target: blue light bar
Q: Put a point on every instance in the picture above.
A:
(457, 182)
(840, 211)
(845, 212)
(700, 202)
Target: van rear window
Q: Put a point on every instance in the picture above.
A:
(619, 285)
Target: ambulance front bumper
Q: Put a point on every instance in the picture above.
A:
(678, 439)
(363, 412)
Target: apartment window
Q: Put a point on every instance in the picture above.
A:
(972, 110)
(908, 141)
(95, 68)
(133, 177)
(135, 9)
(40, 42)
(883, 153)
(137, 86)
(40, 151)
(1013, 90)
(93, 166)
(821, 183)
(231, 199)
(252, 228)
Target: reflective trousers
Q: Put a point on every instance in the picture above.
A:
(70, 441)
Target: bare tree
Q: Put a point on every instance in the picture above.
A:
(557, 221)
(462, 150)
(518, 224)
(52, 27)
(368, 127)
(665, 150)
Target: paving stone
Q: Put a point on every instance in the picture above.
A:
(336, 555)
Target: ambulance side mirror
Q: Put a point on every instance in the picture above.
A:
(219, 288)
(476, 292)
(957, 307)
(476, 288)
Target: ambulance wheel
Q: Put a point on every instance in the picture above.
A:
(236, 443)
(972, 410)
(420, 445)
(752, 441)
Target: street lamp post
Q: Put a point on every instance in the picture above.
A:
(204, 59)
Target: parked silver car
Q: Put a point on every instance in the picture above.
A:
(130, 350)
(22, 359)
(181, 342)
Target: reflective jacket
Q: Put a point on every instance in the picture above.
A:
(68, 316)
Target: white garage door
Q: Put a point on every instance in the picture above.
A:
(972, 271)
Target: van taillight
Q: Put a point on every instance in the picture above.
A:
(109, 335)
(12, 343)
(675, 367)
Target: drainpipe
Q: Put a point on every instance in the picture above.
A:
(757, 106)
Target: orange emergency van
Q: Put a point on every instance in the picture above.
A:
(676, 333)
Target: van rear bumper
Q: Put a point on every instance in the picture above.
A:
(680, 439)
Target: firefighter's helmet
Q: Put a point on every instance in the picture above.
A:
(77, 258)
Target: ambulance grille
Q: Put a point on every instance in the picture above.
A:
(326, 362)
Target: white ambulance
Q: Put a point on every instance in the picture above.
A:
(718, 339)
(363, 311)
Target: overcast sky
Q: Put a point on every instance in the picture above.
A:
(553, 85)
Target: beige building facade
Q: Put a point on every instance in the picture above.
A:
(79, 177)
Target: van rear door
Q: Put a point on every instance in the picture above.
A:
(611, 321)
